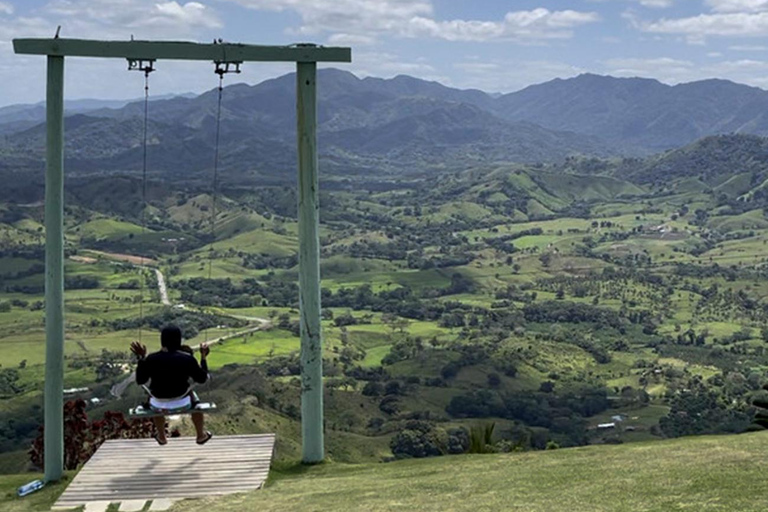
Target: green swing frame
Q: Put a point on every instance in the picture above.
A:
(306, 57)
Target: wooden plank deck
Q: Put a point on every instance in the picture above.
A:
(140, 469)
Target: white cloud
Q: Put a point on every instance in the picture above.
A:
(729, 18)
(657, 4)
(510, 75)
(384, 64)
(350, 40)
(415, 18)
(121, 18)
(105, 19)
(653, 4)
(663, 68)
(731, 24)
(190, 14)
(6, 8)
(738, 5)
(748, 48)
(675, 71)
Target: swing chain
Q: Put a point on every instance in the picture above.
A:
(222, 68)
(147, 66)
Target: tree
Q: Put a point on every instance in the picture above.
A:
(393, 387)
(494, 380)
(372, 388)
(701, 411)
(547, 387)
(389, 405)
(420, 439)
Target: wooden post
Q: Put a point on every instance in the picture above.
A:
(54, 272)
(313, 449)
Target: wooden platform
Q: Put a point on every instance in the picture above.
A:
(140, 469)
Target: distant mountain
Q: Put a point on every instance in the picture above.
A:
(640, 115)
(19, 117)
(398, 124)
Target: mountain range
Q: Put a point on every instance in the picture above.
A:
(399, 124)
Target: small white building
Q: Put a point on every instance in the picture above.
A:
(606, 426)
(72, 391)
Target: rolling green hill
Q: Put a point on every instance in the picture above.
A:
(705, 474)
(702, 474)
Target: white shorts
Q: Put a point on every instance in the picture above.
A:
(176, 403)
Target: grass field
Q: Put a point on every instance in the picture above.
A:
(697, 474)
(722, 473)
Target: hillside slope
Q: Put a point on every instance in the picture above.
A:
(702, 474)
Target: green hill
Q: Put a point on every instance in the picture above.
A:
(702, 474)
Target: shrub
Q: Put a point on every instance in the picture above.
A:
(82, 439)
(450, 370)
(481, 438)
(393, 387)
(420, 439)
(372, 388)
(389, 405)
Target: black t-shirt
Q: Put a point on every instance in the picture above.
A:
(170, 372)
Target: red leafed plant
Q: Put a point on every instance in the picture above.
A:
(82, 439)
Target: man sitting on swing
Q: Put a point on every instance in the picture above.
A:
(169, 372)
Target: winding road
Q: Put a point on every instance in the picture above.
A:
(118, 389)
(162, 288)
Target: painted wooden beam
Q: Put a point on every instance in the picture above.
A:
(53, 437)
(179, 50)
(313, 449)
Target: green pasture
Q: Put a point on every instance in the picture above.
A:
(705, 474)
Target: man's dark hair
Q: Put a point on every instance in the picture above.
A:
(170, 338)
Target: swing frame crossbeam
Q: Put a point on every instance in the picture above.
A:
(146, 53)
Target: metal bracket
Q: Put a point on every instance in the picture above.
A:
(222, 68)
(145, 65)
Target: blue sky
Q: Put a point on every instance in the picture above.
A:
(494, 45)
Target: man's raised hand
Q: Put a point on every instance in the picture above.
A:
(204, 350)
(138, 349)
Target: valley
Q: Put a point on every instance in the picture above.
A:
(566, 304)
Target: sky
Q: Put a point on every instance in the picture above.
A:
(493, 45)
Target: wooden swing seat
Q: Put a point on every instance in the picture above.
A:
(145, 412)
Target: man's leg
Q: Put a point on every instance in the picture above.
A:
(160, 427)
(199, 421)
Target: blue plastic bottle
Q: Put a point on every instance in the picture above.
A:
(30, 488)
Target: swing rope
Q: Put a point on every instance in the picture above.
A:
(142, 274)
(215, 184)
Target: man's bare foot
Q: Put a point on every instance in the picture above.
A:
(161, 439)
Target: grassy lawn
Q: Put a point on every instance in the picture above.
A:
(41, 500)
(714, 473)
(697, 474)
